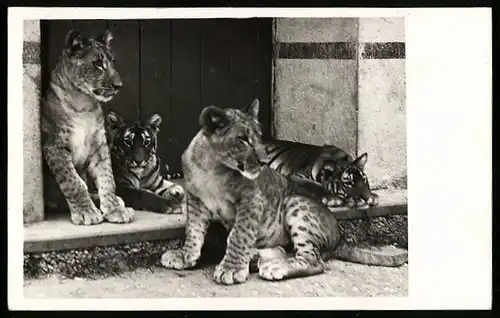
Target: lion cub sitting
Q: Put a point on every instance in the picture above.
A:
(226, 179)
(73, 136)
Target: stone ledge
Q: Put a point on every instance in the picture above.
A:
(58, 233)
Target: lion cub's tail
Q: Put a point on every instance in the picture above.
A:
(379, 256)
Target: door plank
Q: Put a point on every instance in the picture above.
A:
(125, 46)
(156, 86)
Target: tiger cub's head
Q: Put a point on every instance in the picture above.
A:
(133, 143)
(89, 64)
(347, 179)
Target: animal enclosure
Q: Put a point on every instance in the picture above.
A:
(177, 67)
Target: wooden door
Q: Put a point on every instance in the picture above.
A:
(177, 67)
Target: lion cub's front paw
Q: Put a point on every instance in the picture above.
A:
(178, 259)
(230, 275)
(86, 215)
(115, 211)
(120, 214)
(273, 269)
(373, 199)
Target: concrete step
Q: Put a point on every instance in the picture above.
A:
(58, 233)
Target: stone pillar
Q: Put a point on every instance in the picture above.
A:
(33, 207)
(341, 81)
(315, 79)
(382, 100)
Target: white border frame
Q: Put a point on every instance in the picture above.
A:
(449, 160)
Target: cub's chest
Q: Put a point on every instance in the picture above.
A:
(212, 191)
(84, 137)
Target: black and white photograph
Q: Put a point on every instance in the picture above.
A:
(220, 156)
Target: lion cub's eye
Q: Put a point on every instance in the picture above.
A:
(243, 139)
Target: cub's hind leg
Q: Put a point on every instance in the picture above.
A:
(75, 190)
(308, 236)
(99, 168)
(197, 225)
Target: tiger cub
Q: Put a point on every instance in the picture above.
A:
(73, 136)
(227, 180)
(136, 166)
(342, 178)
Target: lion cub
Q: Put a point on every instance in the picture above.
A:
(73, 136)
(226, 179)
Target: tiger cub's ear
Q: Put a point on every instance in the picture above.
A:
(360, 162)
(113, 119)
(211, 119)
(253, 109)
(154, 121)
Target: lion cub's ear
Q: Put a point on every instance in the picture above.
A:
(74, 40)
(106, 38)
(212, 118)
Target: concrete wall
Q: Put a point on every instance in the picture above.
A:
(341, 81)
(33, 208)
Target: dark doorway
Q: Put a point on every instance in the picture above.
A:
(177, 67)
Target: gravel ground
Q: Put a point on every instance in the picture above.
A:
(342, 279)
(98, 262)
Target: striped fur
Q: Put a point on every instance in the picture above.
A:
(137, 167)
(342, 179)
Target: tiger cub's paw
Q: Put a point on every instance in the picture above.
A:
(332, 201)
(86, 215)
(115, 211)
(176, 192)
(178, 259)
(175, 195)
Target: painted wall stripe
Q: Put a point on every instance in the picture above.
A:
(335, 50)
(380, 50)
(340, 50)
(31, 52)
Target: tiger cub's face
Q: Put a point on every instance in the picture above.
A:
(347, 180)
(134, 143)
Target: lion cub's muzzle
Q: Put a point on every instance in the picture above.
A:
(107, 92)
(251, 171)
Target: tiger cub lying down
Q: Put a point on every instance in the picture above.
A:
(342, 179)
(227, 180)
(136, 166)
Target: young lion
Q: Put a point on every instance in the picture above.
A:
(226, 179)
(73, 134)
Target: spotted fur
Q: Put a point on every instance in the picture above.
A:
(73, 135)
(343, 179)
(136, 166)
(226, 179)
